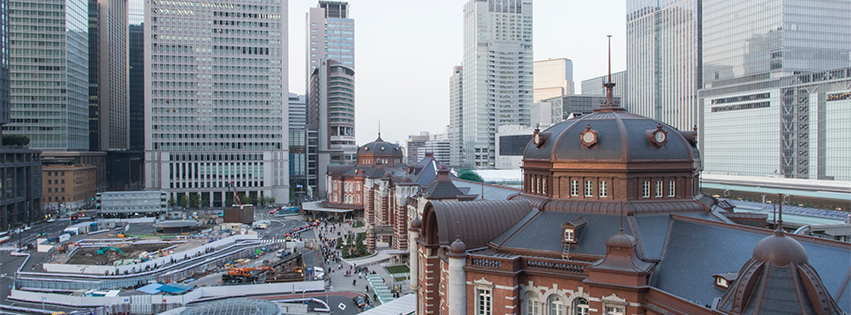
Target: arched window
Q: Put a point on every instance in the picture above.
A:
(581, 307)
(554, 305)
(531, 304)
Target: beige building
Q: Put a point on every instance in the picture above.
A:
(552, 78)
(68, 186)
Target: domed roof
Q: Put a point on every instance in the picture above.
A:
(416, 223)
(458, 248)
(614, 135)
(620, 240)
(380, 147)
(780, 250)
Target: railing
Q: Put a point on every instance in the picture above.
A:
(488, 263)
(561, 266)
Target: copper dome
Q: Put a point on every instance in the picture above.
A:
(617, 136)
(457, 248)
(780, 250)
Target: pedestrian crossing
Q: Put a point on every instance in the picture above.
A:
(7, 248)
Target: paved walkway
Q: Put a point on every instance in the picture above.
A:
(379, 284)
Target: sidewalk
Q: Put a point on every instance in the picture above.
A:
(373, 285)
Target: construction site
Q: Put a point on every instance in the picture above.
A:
(289, 268)
(115, 254)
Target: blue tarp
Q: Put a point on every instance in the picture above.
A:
(173, 288)
(152, 288)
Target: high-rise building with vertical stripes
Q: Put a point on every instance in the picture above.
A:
(49, 59)
(497, 76)
(216, 99)
(109, 113)
(663, 60)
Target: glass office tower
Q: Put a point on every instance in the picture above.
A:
(776, 88)
(663, 45)
(761, 39)
(215, 99)
(49, 61)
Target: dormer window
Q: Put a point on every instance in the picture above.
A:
(723, 280)
(571, 230)
(568, 236)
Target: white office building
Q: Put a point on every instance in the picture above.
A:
(215, 99)
(552, 78)
(124, 204)
(497, 76)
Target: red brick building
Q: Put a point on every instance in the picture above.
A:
(384, 193)
(610, 221)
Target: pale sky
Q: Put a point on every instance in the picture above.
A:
(405, 51)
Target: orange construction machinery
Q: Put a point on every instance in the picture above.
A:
(243, 274)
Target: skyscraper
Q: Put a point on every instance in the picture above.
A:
(215, 99)
(330, 34)
(49, 63)
(497, 76)
(299, 177)
(108, 95)
(553, 77)
(775, 93)
(331, 114)
(5, 110)
(663, 60)
(136, 86)
(769, 39)
(456, 117)
(330, 63)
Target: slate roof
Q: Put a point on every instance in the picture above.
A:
(696, 250)
(543, 232)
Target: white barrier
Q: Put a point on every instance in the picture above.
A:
(159, 261)
(197, 294)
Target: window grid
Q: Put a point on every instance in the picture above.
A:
(646, 189)
(484, 302)
(589, 188)
(604, 189)
(574, 188)
(658, 188)
(672, 188)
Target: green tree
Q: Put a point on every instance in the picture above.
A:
(467, 174)
(194, 200)
(270, 200)
(246, 199)
(172, 202)
(182, 200)
(16, 140)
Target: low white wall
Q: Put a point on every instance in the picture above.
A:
(199, 293)
(159, 261)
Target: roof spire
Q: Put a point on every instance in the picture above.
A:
(779, 225)
(609, 103)
(379, 131)
(621, 217)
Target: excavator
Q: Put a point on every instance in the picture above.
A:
(243, 274)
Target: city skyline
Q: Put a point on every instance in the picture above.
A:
(388, 49)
